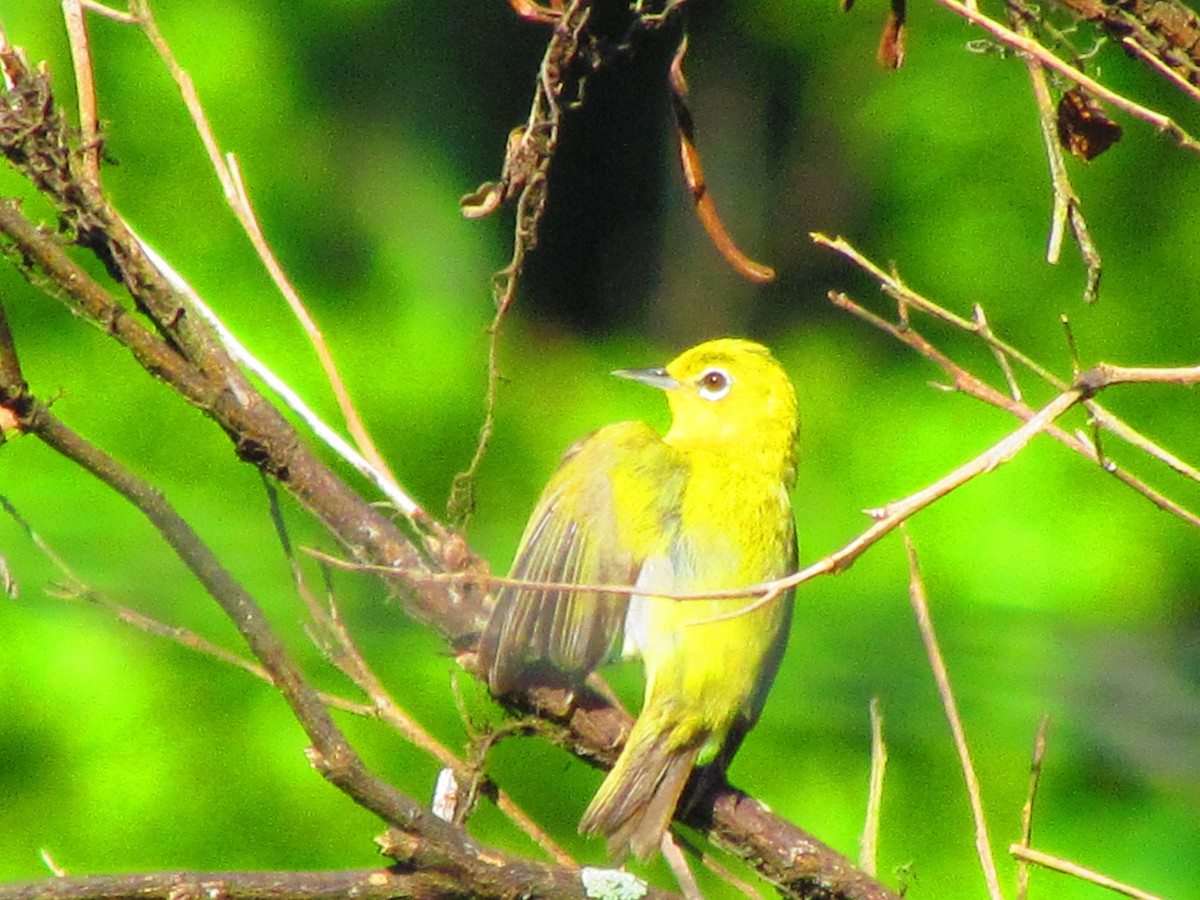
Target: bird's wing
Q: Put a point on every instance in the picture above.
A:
(613, 502)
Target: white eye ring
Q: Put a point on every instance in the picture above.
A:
(714, 383)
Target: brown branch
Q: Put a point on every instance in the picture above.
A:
(693, 176)
(1165, 33)
(1031, 47)
(355, 884)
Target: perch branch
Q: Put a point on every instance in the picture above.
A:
(360, 884)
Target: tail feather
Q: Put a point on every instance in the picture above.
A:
(637, 800)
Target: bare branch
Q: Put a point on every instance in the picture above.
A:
(1066, 202)
(968, 383)
(868, 843)
(1057, 864)
(983, 845)
(364, 884)
(1032, 48)
(1035, 776)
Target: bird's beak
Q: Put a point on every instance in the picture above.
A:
(656, 377)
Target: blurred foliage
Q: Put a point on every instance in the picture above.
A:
(358, 124)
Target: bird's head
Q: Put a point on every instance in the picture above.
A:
(729, 396)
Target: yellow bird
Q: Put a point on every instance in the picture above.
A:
(704, 508)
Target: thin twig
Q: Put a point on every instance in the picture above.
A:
(678, 865)
(108, 12)
(984, 330)
(1035, 776)
(723, 872)
(1136, 46)
(974, 387)
(868, 843)
(693, 176)
(233, 186)
(405, 504)
(1058, 864)
(1066, 201)
(85, 88)
(910, 298)
(983, 845)
(1031, 47)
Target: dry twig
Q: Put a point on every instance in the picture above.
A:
(975, 387)
(1031, 47)
(983, 846)
(868, 843)
(1066, 202)
(1057, 864)
(233, 186)
(1035, 776)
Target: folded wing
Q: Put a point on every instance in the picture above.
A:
(612, 503)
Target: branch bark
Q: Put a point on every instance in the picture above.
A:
(366, 884)
(351, 884)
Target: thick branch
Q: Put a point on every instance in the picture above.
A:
(355, 884)
(352, 884)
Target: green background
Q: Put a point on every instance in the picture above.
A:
(358, 124)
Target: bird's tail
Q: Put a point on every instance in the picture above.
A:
(637, 800)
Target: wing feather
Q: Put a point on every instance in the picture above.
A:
(612, 502)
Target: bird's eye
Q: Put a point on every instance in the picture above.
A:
(714, 384)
